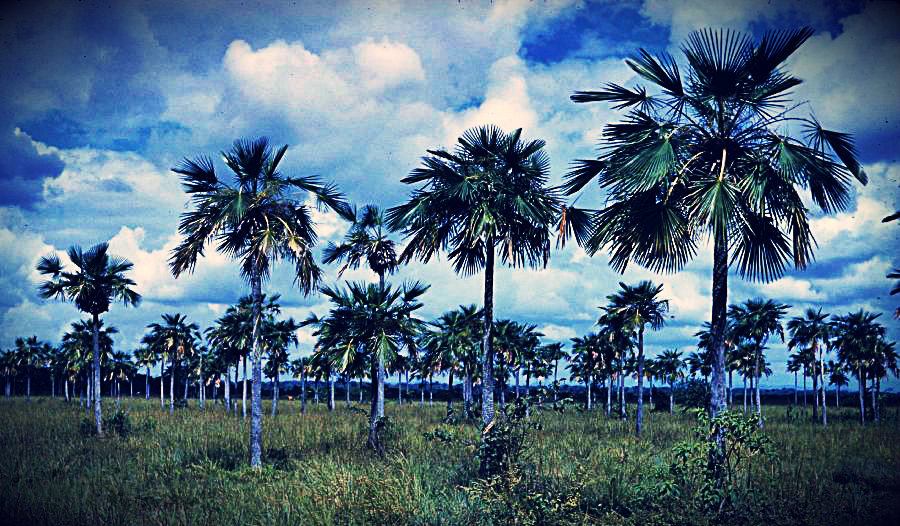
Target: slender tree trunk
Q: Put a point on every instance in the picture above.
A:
(671, 398)
(757, 358)
(400, 388)
(373, 441)
(804, 391)
(347, 386)
(172, 386)
(303, 390)
(861, 376)
(28, 385)
(487, 364)
(837, 397)
(876, 390)
(244, 395)
(275, 390)
(330, 392)
(719, 306)
(623, 409)
(450, 391)
(256, 395)
(359, 383)
(815, 413)
(227, 392)
(639, 420)
(200, 386)
(422, 392)
(469, 390)
(98, 409)
(608, 383)
(824, 392)
(66, 389)
(587, 392)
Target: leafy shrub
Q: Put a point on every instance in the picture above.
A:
(119, 423)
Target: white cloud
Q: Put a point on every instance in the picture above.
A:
(557, 333)
(385, 64)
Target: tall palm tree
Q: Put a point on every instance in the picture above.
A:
(366, 241)
(585, 361)
(639, 305)
(98, 280)
(8, 368)
(553, 353)
(856, 336)
(487, 197)
(258, 220)
(813, 331)
(372, 323)
(755, 320)
(176, 340)
(279, 336)
(707, 155)
(79, 345)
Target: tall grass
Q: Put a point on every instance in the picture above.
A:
(190, 468)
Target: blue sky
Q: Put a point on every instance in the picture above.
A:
(100, 101)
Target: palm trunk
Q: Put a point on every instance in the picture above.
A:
(837, 397)
(147, 384)
(487, 364)
(730, 389)
(587, 391)
(671, 398)
(430, 389)
(822, 382)
(244, 396)
(804, 391)
(815, 378)
(200, 386)
(757, 358)
(719, 305)
(875, 390)
(98, 409)
(330, 392)
(256, 394)
(639, 420)
(303, 390)
(608, 396)
(172, 386)
(623, 409)
(275, 389)
(373, 442)
(450, 392)
(861, 376)
(28, 384)
(468, 390)
(227, 392)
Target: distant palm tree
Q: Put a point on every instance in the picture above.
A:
(29, 355)
(838, 378)
(487, 197)
(98, 280)
(585, 361)
(8, 368)
(174, 339)
(258, 220)
(706, 155)
(553, 353)
(639, 305)
(856, 336)
(671, 368)
(813, 331)
(370, 322)
(755, 320)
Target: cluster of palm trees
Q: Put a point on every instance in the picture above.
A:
(703, 155)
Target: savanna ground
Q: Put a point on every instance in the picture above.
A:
(578, 468)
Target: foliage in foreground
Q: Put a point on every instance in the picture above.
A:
(575, 467)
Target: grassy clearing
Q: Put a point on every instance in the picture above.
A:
(190, 469)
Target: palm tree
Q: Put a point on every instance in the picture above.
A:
(98, 280)
(813, 331)
(638, 305)
(553, 353)
(708, 157)
(837, 378)
(257, 220)
(79, 344)
(487, 197)
(279, 336)
(585, 360)
(372, 323)
(855, 337)
(176, 340)
(366, 241)
(755, 320)
(8, 368)
(145, 357)
(670, 367)
(29, 355)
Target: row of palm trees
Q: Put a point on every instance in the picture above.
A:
(703, 155)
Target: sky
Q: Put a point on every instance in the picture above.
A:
(100, 100)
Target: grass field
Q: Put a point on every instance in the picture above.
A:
(579, 468)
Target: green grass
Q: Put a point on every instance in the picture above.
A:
(191, 469)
